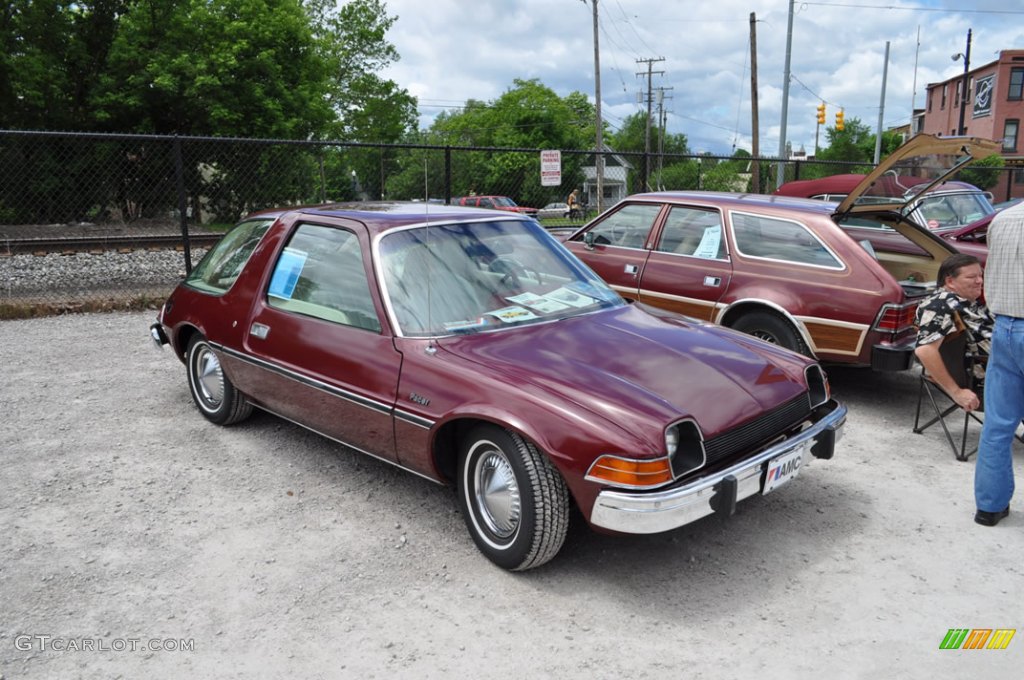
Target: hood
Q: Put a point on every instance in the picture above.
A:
(636, 368)
(975, 231)
(921, 163)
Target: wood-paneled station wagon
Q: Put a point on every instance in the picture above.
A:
(470, 347)
(839, 282)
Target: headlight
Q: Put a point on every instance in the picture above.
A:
(684, 452)
(672, 440)
(685, 445)
(817, 385)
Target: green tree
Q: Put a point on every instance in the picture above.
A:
(528, 115)
(983, 173)
(631, 138)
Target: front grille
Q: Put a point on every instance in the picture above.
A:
(761, 430)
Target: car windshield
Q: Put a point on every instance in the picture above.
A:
(504, 201)
(465, 278)
(941, 211)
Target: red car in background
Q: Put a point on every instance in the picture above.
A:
(494, 203)
(837, 282)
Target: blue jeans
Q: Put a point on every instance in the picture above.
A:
(1004, 409)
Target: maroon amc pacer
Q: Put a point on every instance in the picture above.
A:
(470, 347)
(839, 282)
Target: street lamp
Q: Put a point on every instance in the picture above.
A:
(962, 130)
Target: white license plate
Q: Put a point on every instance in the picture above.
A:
(783, 468)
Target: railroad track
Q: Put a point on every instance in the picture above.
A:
(98, 244)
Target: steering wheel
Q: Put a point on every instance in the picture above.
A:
(514, 270)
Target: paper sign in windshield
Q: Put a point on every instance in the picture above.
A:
(570, 297)
(513, 314)
(542, 304)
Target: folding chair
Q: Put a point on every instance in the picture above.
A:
(953, 351)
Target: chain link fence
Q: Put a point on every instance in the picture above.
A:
(56, 188)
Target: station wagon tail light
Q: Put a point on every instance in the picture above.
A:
(630, 473)
(896, 318)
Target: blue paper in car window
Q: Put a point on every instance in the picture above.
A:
(286, 275)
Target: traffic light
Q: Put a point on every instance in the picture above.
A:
(821, 113)
(839, 120)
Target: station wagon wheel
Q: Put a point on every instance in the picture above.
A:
(515, 503)
(771, 328)
(212, 391)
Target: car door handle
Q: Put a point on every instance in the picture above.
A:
(631, 269)
(712, 281)
(260, 330)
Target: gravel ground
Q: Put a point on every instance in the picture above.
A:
(86, 274)
(263, 550)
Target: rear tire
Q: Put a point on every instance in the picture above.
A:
(212, 391)
(773, 329)
(514, 502)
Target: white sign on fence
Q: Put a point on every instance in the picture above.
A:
(551, 168)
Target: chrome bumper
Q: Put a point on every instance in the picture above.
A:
(159, 335)
(651, 513)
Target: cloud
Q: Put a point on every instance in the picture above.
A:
(453, 51)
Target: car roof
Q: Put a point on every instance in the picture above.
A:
(739, 201)
(381, 216)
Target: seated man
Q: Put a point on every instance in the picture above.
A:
(953, 307)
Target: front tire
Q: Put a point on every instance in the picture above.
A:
(212, 391)
(515, 503)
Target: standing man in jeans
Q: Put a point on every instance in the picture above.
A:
(1004, 377)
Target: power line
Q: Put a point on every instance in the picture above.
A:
(945, 10)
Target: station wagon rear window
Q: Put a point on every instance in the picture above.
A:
(777, 239)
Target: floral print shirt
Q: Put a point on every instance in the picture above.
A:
(936, 318)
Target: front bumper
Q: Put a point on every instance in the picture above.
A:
(651, 513)
(158, 335)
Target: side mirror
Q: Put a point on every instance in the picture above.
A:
(588, 240)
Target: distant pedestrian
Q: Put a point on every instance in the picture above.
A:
(574, 204)
(1004, 376)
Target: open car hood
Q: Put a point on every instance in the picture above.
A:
(920, 164)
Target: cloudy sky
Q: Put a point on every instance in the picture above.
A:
(454, 50)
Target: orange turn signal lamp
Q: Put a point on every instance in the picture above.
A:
(630, 473)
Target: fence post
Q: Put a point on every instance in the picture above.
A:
(179, 176)
(447, 175)
(323, 177)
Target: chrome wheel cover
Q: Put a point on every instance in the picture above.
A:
(766, 336)
(209, 377)
(496, 492)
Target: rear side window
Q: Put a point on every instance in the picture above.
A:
(776, 239)
(694, 232)
(218, 270)
(320, 273)
(627, 227)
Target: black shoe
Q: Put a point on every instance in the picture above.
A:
(990, 519)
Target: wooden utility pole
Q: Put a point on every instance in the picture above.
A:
(598, 124)
(755, 142)
(645, 185)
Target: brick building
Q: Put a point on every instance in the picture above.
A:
(994, 109)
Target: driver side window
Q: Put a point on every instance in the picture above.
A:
(627, 227)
